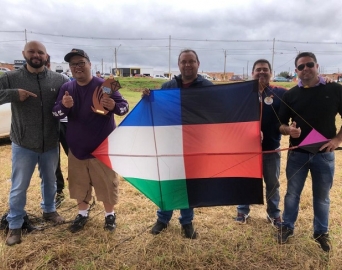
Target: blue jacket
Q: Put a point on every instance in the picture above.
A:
(176, 82)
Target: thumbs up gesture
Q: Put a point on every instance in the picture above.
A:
(67, 100)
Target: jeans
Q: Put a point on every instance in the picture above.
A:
(321, 167)
(62, 140)
(271, 171)
(23, 164)
(186, 217)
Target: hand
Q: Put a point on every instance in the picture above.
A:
(331, 145)
(23, 94)
(294, 131)
(67, 100)
(107, 102)
(146, 92)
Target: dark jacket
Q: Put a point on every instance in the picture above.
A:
(33, 126)
(176, 82)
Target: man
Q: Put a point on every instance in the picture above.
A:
(98, 74)
(270, 100)
(302, 104)
(188, 64)
(62, 131)
(87, 129)
(32, 90)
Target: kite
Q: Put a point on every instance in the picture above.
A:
(193, 147)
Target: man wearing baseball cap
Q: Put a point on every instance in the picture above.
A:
(91, 120)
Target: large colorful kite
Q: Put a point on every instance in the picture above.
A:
(191, 147)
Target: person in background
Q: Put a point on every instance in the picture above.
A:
(32, 91)
(87, 129)
(62, 131)
(270, 100)
(98, 74)
(299, 117)
(188, 64)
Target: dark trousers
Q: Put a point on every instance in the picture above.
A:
(62, 140)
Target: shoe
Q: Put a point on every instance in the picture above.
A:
(110, 224)
(242, 218)
(13, 237)
(78, 223)
(284, 234)
(158, 227)
(59, 199)
(27, 226)
(189, 231)
(275, 222)
(323, 240)
(54, 217)
(4, 222)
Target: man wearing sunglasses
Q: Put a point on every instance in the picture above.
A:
(87, 129)
(311, 106)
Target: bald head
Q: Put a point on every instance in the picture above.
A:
(35, 55)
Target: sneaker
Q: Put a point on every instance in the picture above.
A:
(242, 218)
(59, 199)
(284, 234)
(110, 224)
(78, 223)
(158, 227)
(13, 237)
(189, 231)
(54, 217)
(323, 240)
(275, 222)
(27, 226)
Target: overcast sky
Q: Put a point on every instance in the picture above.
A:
(246, 30)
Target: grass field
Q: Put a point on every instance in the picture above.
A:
(221, 244)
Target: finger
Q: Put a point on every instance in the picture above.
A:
(66, 93)
(30, 94)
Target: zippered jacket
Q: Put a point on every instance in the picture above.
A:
(33, 125)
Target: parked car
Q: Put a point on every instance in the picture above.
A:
(160, 77)
(3, 69)
(281, 79)
(139, 75)
(105, 75)
(236, 78)
(5, 116)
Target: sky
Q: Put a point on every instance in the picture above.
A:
(228, 35)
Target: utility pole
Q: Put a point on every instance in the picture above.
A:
(224, 69)
(247, 70)
(116, 61)
(25, 36)
(170, 57)
(102, 65)
(273, 53)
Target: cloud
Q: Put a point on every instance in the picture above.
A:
(246, 30)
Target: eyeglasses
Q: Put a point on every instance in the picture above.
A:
(190, 62)
(308, 64)
(79, 64)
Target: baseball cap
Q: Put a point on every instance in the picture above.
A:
(74, 52)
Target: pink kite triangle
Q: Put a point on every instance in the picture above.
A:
(313, 137)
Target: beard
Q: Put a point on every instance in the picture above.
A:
(35, 65)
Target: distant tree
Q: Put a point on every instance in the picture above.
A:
(284, 74)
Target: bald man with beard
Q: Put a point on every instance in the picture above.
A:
(32, 91)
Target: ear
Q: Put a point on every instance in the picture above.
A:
(23, 52)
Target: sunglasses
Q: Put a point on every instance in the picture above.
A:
(308, 64)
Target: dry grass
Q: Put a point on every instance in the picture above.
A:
(222, 244)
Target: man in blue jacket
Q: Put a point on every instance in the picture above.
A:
(188, 64)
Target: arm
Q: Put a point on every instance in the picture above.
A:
(63, 103)
(121, 106)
